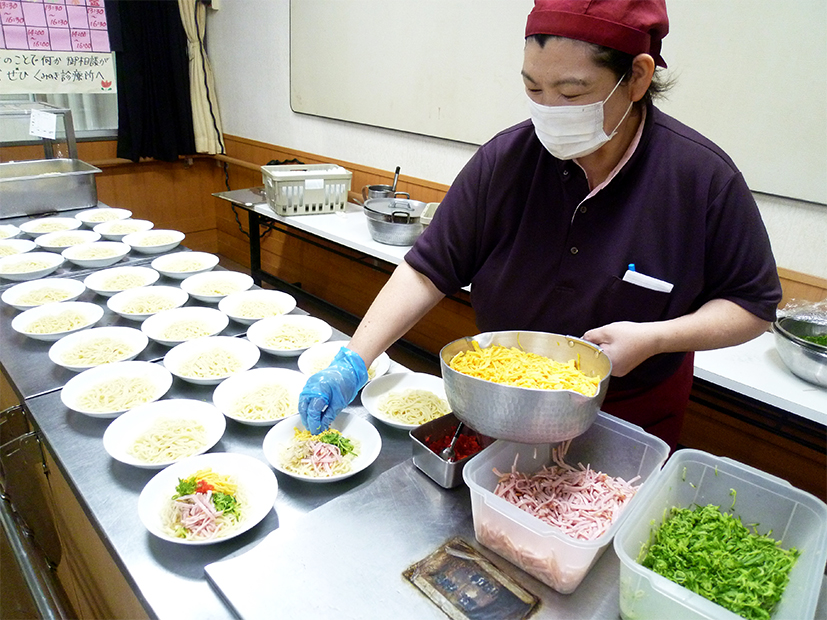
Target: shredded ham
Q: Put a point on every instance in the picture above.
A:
(323, 457)
(580, 501)
(197, 513)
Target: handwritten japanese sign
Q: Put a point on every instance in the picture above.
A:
(53, 25)
(24, 72)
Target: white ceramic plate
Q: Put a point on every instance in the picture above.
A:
(319, 356)
(155, 326)
(133, 341)
(98, 280)
(15, 267)
(213, 286)
(118, 229)
(14, 296)
(122, 433)
(59, 241)
(44, 225)
(180, 265)
(91, 313)
(180, 355)
(99, 215)
(376, 390)
(8, 231)
(356, 429)
(120, 302)
(82, 255)
(255, 480)
(273, 303)
(155, 241)
(79, 385)
(317, 330)
(10, 247)
(231, 390)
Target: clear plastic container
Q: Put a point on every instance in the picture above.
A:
(610, 445)
(692, 477)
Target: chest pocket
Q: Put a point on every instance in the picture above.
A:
(630, 302)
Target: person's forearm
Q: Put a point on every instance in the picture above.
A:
(718, 323)
(405, 299)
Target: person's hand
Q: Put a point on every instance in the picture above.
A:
(330, 390)
(627, 344)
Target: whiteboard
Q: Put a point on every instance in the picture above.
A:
(751, 75)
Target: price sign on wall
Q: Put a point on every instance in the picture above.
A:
(55, 46)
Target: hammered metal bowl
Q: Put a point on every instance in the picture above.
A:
(805, 359)
(526, 415)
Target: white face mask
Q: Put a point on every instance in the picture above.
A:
(569, 131)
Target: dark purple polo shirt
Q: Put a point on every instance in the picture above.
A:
(538, 256)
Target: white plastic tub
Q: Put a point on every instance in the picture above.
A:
(690, 477)
(610, 445)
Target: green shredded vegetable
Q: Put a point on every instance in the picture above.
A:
(821, 339)
(335, 438)
(713, 554)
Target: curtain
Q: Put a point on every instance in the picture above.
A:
(206, 120)
(154, 110)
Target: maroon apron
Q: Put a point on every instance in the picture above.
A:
(659, 410)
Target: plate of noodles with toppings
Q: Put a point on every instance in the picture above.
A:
(59, 241)
(261, 396)
(180, 265)
(99, 215)
(29, 265)
(213, 286)
(50, 322)
(107, 282)
(138, 304)
(96, 253)
(210, 360)
(116, 230)
(38, 292)
(172, 327)
(319, 356)
(156, 241)
(406, 399)
(349, 446)
(99, 345)
(288, 335)
(10, 247)
(109, 390)
(45, 225)
(247, 307)
(208, 498)
(158, 434)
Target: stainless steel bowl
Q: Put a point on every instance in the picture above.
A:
(806, 360)
(519, 414)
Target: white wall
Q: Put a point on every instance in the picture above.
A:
(248, 42)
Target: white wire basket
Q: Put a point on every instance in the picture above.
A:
(303, 190)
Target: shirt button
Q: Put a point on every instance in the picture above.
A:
(565, 173)
(574, 250)
(583, 209)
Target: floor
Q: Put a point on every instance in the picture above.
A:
(413, 360)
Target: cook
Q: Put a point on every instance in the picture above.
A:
(601, 216)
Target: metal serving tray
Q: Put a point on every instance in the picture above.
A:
(45, 185)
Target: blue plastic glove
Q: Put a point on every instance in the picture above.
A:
(330, 390)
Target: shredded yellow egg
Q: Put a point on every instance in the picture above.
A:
(512, 366)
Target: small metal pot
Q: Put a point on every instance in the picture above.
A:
(394, 221)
